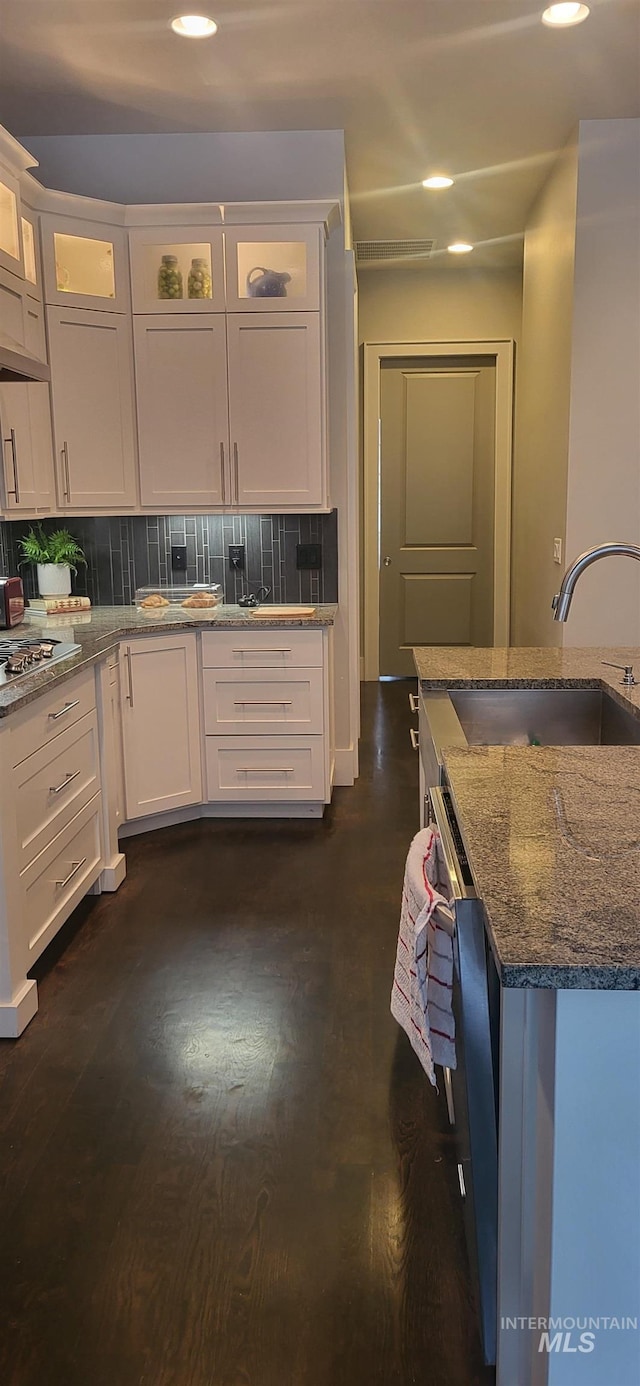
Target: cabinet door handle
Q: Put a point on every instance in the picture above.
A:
(263, 702)
(57, 788)
(235, 469)
(14, 462)
(75, 867)
(268, 649)
(415, 741)
(265, 769)
(65, 463)
(463, 1187)
(224, 488)
(129, 695)
(53, 716)
(414, 702)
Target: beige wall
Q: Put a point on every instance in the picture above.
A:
(427, 305)
(604, 437)
(542, 405)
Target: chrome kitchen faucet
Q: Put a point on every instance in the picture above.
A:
(562, 600)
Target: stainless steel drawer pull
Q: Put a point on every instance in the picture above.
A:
(236, 473)
(75, 867)
(67, 479)
(463, 1187)
(14, 460)
(268, 649)
(224, 488)
(415, 739)
(57, 788)
(265, 769)
(448, 1088)
(53, 716)
(414, 702)
(262, 702)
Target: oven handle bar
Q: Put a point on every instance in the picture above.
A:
(459, 889)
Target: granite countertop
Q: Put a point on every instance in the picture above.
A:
(552, 833)
(99, 630)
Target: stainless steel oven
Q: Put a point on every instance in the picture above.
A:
(471, 1089)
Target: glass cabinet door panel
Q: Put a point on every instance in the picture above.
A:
(84, 266)
(9, 236)
(273, 268)
(176, 271)
(29, 249)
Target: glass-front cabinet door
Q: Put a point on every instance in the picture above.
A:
(30, 252)
(10, 243)
(176, 269)
(273, 268)
(85, 264)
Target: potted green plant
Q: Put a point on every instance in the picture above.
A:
(56, 556)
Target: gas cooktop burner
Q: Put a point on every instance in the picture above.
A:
(23, 656)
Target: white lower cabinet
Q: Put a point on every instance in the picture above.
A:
(160, 724)
(51, 835)
(266, 718)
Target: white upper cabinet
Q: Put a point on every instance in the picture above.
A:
(10, 227)
(276, 410)
(273, 268)
(183, 423)
(85, 264)
(13, 307)
(27, 449)
(177, 269)
(93, 409)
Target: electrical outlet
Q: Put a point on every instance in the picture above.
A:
(309, 556)
(179, 558)
(236, 557)
(557, 551)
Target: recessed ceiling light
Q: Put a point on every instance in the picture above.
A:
(459, 248)
(194, 26)
(564, 14)
(439, 180)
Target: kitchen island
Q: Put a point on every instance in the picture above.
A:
(552, 838)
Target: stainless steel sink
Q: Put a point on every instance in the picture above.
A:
(543, 716)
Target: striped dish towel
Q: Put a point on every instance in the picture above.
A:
(423, 977)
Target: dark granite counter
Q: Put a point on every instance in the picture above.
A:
(552, 833)
(98, 631)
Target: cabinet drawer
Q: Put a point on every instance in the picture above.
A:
(57, 880)
(262, 649)
(236, 702)
(283, 768)
(52, 785)
(51, 714)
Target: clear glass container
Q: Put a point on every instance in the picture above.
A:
(199, 281)
(169, 278)
(200, 597)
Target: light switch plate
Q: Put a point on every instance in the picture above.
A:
(557, 551)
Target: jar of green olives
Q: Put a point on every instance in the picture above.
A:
(169, 278)
(199, 282)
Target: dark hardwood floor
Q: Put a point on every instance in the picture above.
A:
(221, 1164)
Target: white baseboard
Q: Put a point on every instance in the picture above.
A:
(346, 765)
(16, 1013)
(114, 874)
(189, 815)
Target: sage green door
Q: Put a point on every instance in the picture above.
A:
(437, 489)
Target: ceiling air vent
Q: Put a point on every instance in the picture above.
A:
(369, 251)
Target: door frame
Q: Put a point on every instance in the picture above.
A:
(502, 352)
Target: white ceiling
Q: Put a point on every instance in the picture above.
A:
(479, 88)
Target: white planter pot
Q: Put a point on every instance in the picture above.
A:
(54, 579)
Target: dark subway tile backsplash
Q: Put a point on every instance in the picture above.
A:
(129, 551)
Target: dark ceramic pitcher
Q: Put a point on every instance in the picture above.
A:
(268, 283)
